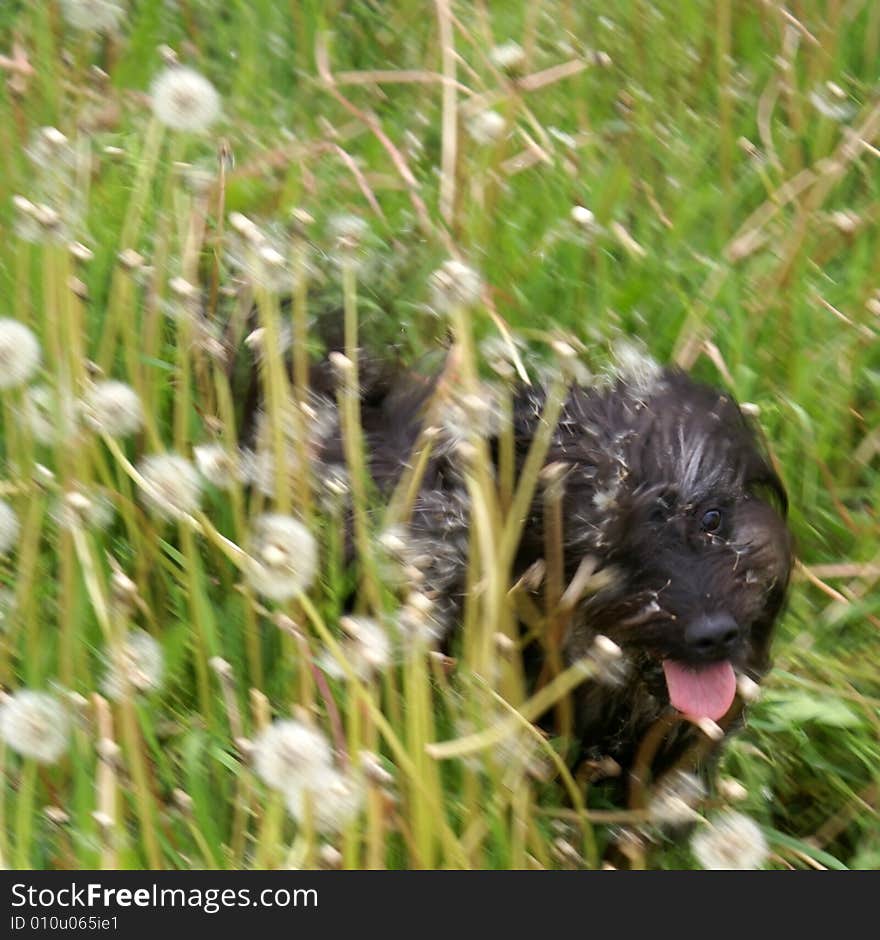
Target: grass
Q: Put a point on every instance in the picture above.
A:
(728, 155)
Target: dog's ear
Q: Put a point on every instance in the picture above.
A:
(761, 478)
(767, 486)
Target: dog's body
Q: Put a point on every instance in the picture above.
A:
(671, 506)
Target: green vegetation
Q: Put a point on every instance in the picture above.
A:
(722, 163)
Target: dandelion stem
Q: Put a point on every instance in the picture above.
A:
(25, 814)
(350, 408)
(530, 710)
(277, 396)
(106, 784)
(403, 760)
(522, 497)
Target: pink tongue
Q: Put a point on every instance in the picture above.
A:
(700, 691)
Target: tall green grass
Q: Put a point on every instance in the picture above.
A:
(728, 154)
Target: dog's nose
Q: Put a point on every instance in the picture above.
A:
(712, 635)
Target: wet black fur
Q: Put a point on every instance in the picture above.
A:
(646, 457)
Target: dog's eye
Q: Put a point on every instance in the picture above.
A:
(711, 521)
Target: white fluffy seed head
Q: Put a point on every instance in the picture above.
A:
(36, 725)
(79, 508)
(283, 557)
(639, 372)
(485, 127)
(673, 802)
(217, 465)
(732, 841)
(347, 232)
(136, 667)
(94, 16)
(9, 528)
(113, 408)
(366, 646)
(184, 100)
(19, 353)
(454, 284)
(582, 216)
(508, 56)
(289, 754)
(171, 486)
(51, 418)
(332, 798)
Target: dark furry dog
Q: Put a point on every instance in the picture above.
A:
(669, 503)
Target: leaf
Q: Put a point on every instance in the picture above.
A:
(798, 708)
(805, 848)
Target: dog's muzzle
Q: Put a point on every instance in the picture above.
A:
(705, 685)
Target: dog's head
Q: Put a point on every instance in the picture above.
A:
(672, 493)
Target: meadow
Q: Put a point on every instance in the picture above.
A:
(187, 187)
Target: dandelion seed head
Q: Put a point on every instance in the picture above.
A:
(171, 486)
(605, 500)
(501, 353)
(289, 754)
(465, 417)
(673, 802)
(283, 557)
(454, 284)
(184, 100)
(335, 483)
(9, 527)
(258, 470)
(113, 408)
(54, 209)
(49, 419)
(50, 151)
(416, 624)
(94, 16)
(349, 240)
(583, 217)
(638, 371)
(136, 667)
(217, 465)
(731, 841)
(84, 509)
(36, 725)
(27, 228)
(366, 647)
(19, 353)
(347, 231)
(831, 102)
(262, 257)
(508, 56)
(486, 127)
(334, 800)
